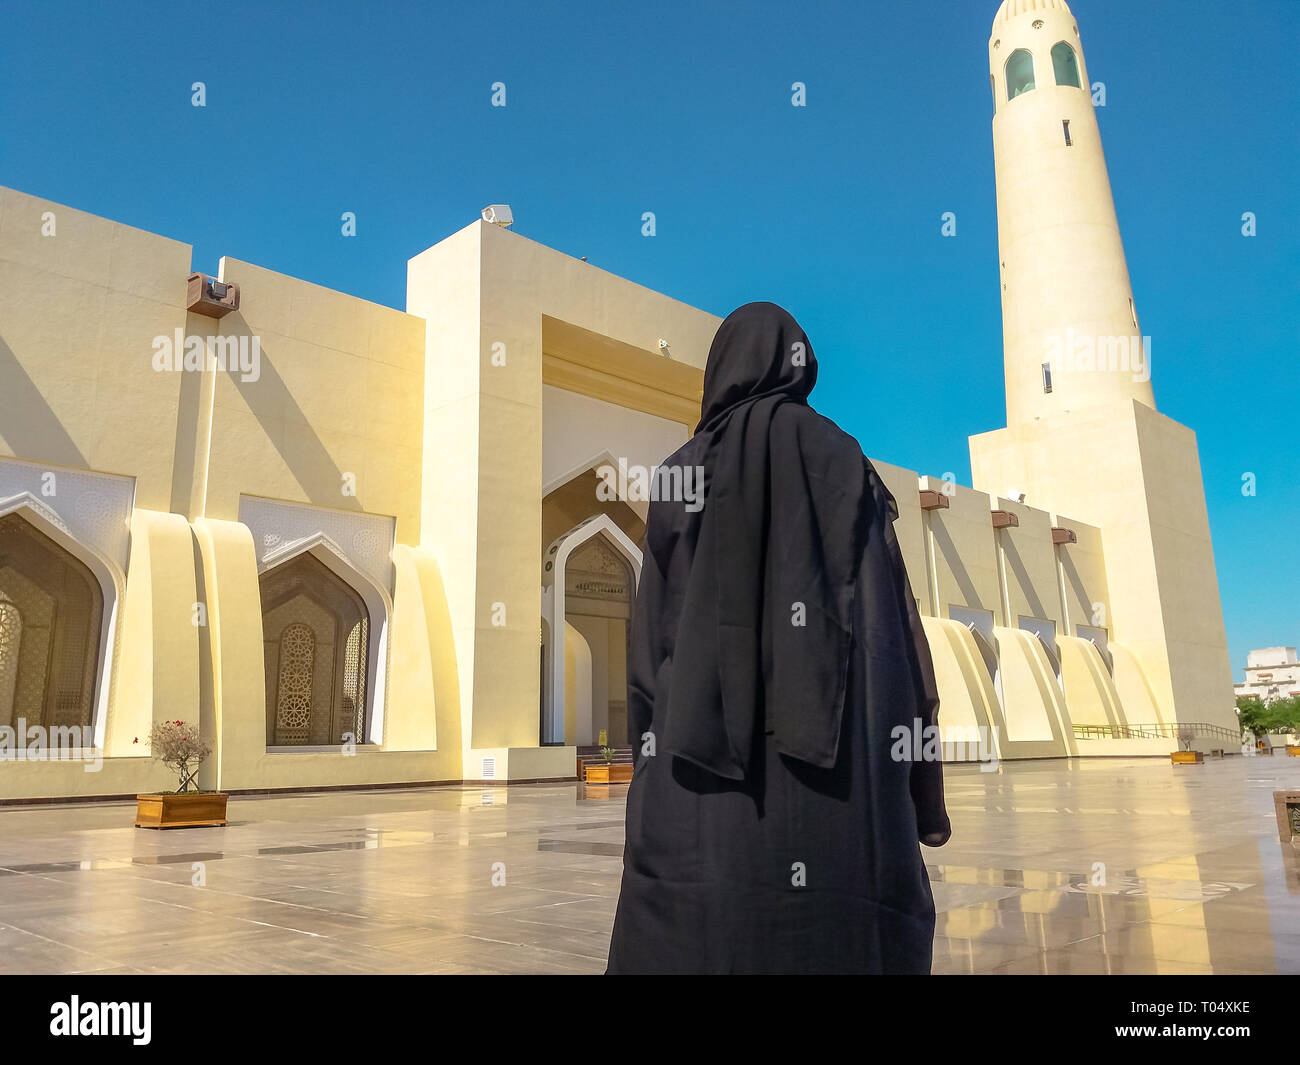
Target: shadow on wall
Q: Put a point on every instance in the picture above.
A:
(27, 422)
(189, 415)
(1013, 561)
(1076, 584)
(955, 565)
(272, 404)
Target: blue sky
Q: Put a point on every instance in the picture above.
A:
(684, 109)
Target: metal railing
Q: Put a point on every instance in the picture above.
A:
(1157, 731)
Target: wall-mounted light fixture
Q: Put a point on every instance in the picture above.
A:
(208, 296)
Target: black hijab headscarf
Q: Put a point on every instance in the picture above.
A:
(766, 625)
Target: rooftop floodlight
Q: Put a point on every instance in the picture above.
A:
(498, 214)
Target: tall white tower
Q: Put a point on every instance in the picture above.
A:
(1070, 327)
(1083, 437)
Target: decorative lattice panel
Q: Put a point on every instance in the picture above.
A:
(54, 612)
(317, 638)
(354, 681)
(93, 508)
(293, 697)
(11, 636)
(366, 540)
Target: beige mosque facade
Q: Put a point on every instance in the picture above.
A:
(361, 547)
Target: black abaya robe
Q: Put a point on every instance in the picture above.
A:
(764, 861)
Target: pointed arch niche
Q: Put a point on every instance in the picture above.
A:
(59, 601)
(589, 576)
(325, 611)
(325, 639)
(572, 498)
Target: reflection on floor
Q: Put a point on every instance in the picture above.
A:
(1088, 867)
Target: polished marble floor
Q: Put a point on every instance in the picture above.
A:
(1098, 866)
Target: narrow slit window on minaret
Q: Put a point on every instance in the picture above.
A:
(1065, 124)
(1047, 377)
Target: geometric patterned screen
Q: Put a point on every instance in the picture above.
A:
(316, 633)
(596, 570)
(51, 611)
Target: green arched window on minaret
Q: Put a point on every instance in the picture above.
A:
(1020, 73)
(1064, 65)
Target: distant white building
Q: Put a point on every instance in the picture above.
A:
(1271, 673)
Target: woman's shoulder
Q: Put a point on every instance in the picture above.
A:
(811, 425)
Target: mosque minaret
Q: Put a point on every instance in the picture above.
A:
(1069, 320)
(1083, 436)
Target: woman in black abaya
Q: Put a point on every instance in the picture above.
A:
(776, 648)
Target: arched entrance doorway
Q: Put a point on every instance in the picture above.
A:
(316, 637)
(51, 620)
(588, 588)
(599, 585)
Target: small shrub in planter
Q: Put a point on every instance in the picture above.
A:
(180, 747)
(1185, 755)
(609, 773)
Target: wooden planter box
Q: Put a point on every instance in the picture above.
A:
(615, 773)
(1287, 803)
(186, 810)
(1186, 757)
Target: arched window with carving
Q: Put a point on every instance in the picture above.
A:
(316, 633)
(50, 628)
(1064, 65)
(11, 641)
(1020, 73)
